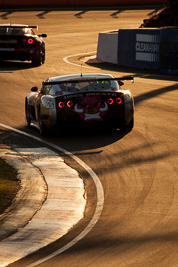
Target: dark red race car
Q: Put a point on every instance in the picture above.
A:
(19, 42)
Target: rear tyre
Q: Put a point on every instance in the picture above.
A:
(128, 127)
(27, 114)
(37, 62)
(40, 60)
(42, 128)
(43, 57)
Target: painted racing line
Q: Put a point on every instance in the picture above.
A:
(75, 55)
(99, 191)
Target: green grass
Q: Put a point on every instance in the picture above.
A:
(9, 185)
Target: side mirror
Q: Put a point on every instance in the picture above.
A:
(43, 35)
(34, 89)
(121, 83)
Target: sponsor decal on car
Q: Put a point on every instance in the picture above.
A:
(91, 108)
(91, 94)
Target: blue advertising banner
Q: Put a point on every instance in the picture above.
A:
(139, 48)
(169, 51)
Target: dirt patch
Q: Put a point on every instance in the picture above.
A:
(167, 17)
(9, 185)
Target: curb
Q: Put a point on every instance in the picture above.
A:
(30, 197)
(50, 202)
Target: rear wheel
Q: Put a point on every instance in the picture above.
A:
(42, 127)
(38, 61)
(27, 114)
(43, 57)
(128, 127)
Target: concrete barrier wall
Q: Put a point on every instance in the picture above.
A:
(107, 49)
(141, 48)
(77, 3)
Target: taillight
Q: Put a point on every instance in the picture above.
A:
(24, 40)
(69, 104)
(118, 100)
(61, 104)
(27, 41)
(110, 101)
(30, 41)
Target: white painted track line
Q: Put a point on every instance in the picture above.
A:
(66, 59)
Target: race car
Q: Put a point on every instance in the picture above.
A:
(80, 100)
(19, 42)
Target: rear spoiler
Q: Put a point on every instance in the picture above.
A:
(124, 78)
(17, 26)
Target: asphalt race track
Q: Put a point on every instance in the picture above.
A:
(138, 170)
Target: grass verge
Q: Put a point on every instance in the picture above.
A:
(9, 185)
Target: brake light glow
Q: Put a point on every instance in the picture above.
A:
(69, 104)
(118, 100)
(30, 41)
(61, 104)
(110, 101)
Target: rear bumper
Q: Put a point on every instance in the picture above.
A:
(75, 124)
(18, 54)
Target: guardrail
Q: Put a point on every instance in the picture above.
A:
(77, 3)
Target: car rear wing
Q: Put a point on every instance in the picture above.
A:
(120, 80)
(18, 26)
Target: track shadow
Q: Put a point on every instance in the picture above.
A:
(154, 93)
(142, 73)
(5, 15)
(42, 14)
(45, 10)
(116, 13)
(87, 139)
(79, 15)
(10, 66)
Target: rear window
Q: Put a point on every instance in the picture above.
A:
(15, 31)
(73, 87)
